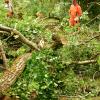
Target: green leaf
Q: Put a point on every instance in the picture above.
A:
(98, 60)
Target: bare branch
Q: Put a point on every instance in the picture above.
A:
(21, 37)
(80, 62)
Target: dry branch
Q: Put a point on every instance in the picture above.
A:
(80, 62)
(76, 62)
(21, 37)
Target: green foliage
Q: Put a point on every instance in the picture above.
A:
(98, 60)
(46, 72)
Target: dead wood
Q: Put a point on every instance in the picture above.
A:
(80, 62)
(11, 74)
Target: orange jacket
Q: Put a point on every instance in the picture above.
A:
(75, 12)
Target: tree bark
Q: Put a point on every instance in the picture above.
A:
(11, 74)
(3, 55)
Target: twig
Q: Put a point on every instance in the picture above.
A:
(93, 37)
(94, 3)
(90, 39)
(92, 19)
(95, 55)
(94, 75)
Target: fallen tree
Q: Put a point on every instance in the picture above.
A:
(11, 74)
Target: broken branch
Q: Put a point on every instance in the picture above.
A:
(21, 37)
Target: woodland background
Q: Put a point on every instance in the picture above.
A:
(69, 69)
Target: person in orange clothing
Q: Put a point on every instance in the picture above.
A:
(75, 12)
(8, 5)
